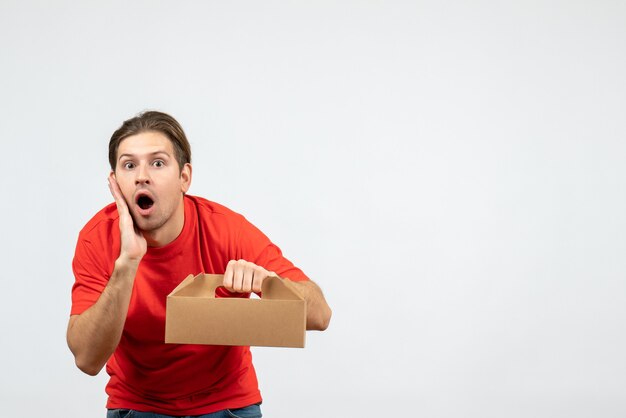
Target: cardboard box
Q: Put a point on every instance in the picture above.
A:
(195, 316)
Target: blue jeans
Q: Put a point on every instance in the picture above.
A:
(252, 411)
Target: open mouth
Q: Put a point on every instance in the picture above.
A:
(145, 202)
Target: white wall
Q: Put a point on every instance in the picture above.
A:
(451, 173)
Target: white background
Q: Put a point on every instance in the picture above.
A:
(452, 174)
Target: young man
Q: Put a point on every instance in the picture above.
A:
(134, 252)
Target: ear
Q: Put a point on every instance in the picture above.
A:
(185, 178)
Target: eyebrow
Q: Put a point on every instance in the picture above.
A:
(150, 154)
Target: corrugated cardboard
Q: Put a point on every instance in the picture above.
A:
(195, 316)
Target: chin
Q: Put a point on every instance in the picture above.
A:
(143, 224)
(150, 225)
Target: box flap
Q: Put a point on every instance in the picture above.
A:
(276, 288)
(203, 285)
(182, 284)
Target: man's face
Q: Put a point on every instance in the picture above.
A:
(152, 182)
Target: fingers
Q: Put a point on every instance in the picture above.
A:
(116, 192)
(126, 220)
(242, 276)
(228, 276)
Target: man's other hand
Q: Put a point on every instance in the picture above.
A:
(242, 276)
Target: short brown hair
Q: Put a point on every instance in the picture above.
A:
(152, 120)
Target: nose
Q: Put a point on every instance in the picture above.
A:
(142, 175)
